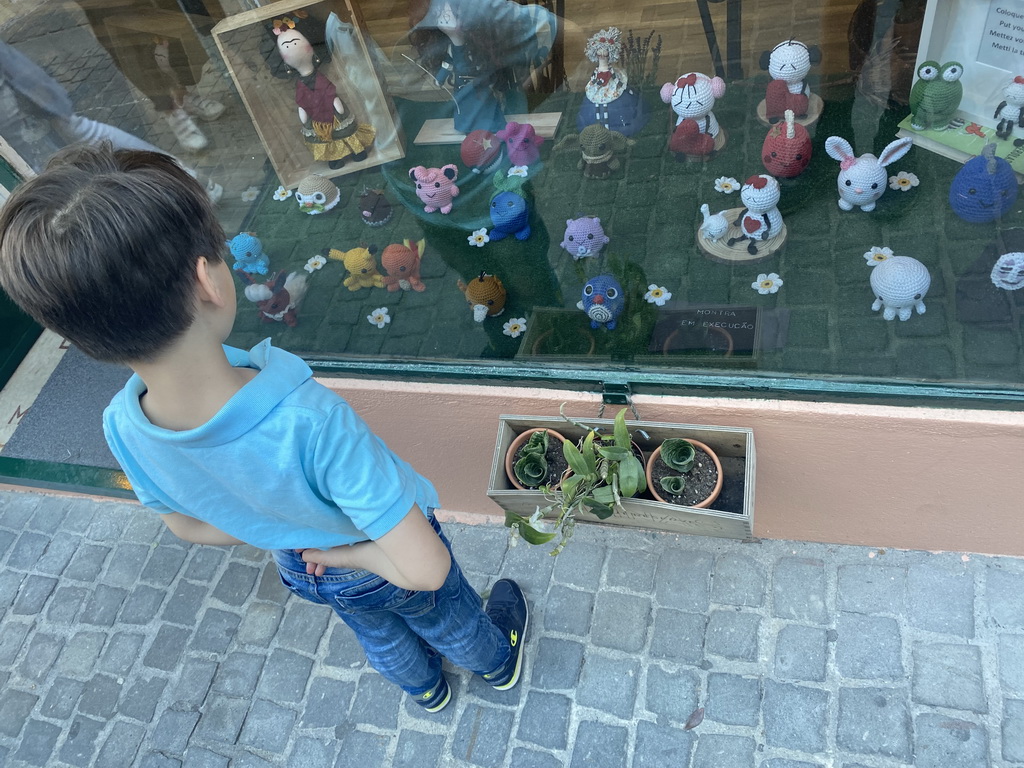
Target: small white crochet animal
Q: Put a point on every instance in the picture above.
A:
(715, 225)
(900, 284)
(862, 180)
(1010, 111)
(761, 218)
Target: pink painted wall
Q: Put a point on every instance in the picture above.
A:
(912, 478)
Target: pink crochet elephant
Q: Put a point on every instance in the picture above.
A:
(523, 143)
(436, 186)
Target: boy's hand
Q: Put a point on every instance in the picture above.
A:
(319, 560)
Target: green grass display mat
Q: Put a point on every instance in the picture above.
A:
(650, 210)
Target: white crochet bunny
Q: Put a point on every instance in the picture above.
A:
(862, 180)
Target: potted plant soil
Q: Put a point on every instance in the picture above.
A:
(535, 459)
(684, 472)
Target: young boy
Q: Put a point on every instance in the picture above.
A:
(120, 253)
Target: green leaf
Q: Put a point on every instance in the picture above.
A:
(614, 452)
(673, 484)
(531, 469)
(530, 534)
(604, 495)
(588, 452)
(630, 476)
(568, 486)
(576, 461)
(620, 431)
(536, 445)
(678, 454)
(600, 511)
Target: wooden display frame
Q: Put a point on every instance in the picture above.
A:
(270, 101)
(734, 446)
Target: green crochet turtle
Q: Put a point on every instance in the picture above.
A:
(936, 95)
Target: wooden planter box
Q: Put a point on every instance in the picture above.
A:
(733, 513)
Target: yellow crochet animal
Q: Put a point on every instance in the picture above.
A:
(362, 268)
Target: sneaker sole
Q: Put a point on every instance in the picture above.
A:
(519, 659)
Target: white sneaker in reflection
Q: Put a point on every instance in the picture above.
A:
(214, 191)
(201, 106)
(185, 130)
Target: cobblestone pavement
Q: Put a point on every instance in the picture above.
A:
(120, 645)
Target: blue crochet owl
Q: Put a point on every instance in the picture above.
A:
(603, 301)
(248, 252)
(510, 212)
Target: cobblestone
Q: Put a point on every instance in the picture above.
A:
(140, 654)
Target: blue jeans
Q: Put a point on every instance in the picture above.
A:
(404, 631)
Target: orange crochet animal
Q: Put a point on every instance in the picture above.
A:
(485, 295)
(402, 264)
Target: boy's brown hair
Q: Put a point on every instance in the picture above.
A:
(101, 247)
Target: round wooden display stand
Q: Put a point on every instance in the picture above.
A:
(720, 251)
(814, 107)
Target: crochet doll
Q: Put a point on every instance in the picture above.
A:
(788, 64)
(692, 98)
(760, 219)
(484, 51)
(609, 101)
(1010, 111)
(297, 49)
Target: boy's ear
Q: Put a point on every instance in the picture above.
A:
(207, 286)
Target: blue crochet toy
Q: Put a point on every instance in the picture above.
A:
(984, 189)
(603, 301)
(510, 213)
(248, 252)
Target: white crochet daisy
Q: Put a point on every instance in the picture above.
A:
(479, 238)
(250, 194)
(282, 194)
(379, 317)
(514, 327)
(876, 255)
(903, 181)
(519, 170)
(767, 283)
(314, 263)
(657, 294)
(726, 184)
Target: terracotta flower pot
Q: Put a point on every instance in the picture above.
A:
(511, 452)
(656, 455)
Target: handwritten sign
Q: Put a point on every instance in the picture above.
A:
(717, 331)
(1002, 39)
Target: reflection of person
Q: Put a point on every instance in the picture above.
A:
(165, 69)
(298, 49)
(609, 99)
(37, 116)
(120, 253)
(483, 50)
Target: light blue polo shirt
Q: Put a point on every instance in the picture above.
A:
(285, 464)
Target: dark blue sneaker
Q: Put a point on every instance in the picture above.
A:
(508, 609)
(436, 698)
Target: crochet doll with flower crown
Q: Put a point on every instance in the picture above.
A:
(297, 48)
(609, 100)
